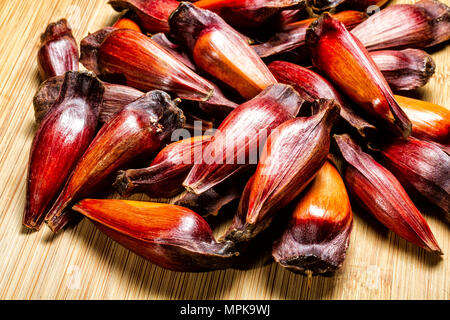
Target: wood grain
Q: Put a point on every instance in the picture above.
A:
(82, 263)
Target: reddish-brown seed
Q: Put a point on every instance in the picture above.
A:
(169, 236)
(407, 69)
(235, 146)
(292, 156)
(293, 35)
(439, 14)
(115, 98)
(175, 49)
(127, 23)
(139, 130)
(349, 66)
(58, 52)
(145, 65)
(61, 139)
(312, 86)
(152, 14)
(379, 192)
(429, 121)
(422, 167)
(248, 13)
(423, 24)
(219, 50)
(166, 173)
(317, 236)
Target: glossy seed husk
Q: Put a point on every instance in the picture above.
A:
(420, 25)
(235, 146)
(345, 61)
(63, 135)
(166, 173)
(429, 121)
(219, 50)
(138, 131)
(292, 37)
(407, 69)
(422, 167)
(317, 236)
(115, 98)
(169, 236)
(58, 52)
(152, 14)
(248, 13)
(142, 63)
(291, 158)
(311, 86)
(380, 193)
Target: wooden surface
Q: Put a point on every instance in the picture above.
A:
(82, 263)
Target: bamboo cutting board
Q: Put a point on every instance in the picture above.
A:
(82, 263)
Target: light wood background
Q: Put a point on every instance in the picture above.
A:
(82, 263)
